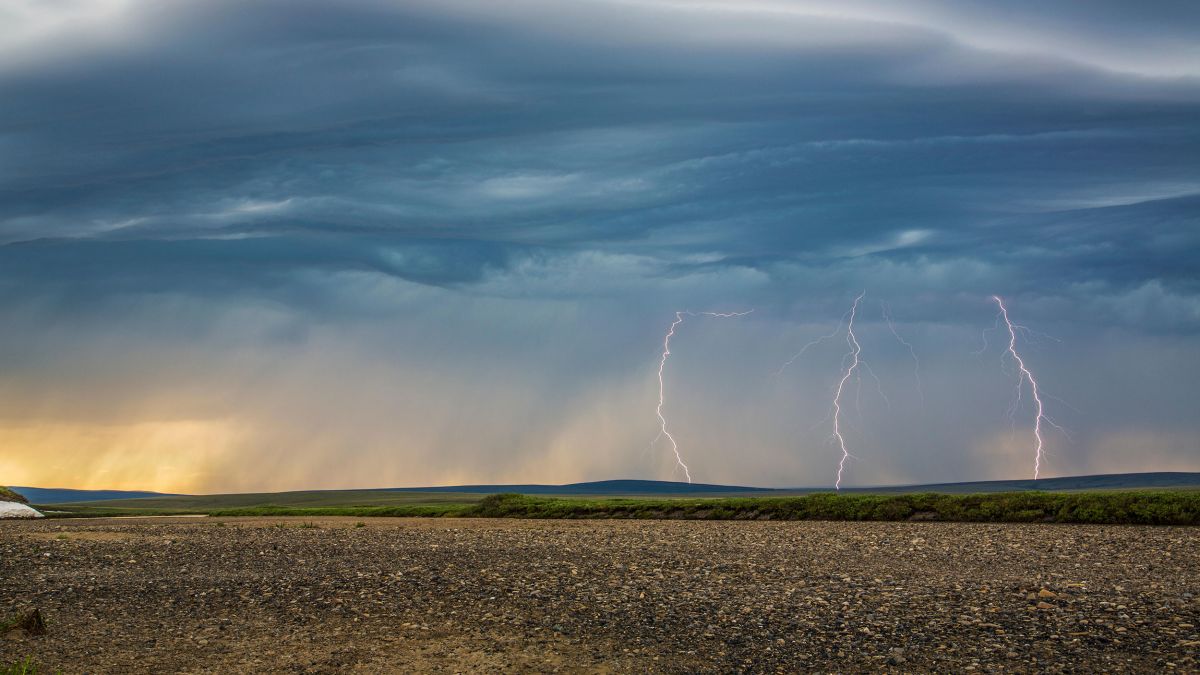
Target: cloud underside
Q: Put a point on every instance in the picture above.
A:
(447, 236)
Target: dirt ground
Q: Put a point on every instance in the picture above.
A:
(414, 595)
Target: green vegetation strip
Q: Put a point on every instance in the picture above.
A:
(1134, 508)
(1144, 508)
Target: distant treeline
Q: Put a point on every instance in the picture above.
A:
(1134, 508)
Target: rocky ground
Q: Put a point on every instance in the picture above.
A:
(323, 595)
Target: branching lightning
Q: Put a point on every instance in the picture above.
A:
(662, 389)
(853, 356)
(1023, 375)
(853, 366)
(806, 347)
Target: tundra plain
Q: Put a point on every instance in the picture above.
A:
(451, 595)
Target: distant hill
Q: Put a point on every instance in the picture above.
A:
(60, 495)
(1114, 481)
(1105, 481)
(604, 488)
(631, 487)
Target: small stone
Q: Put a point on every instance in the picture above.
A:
(1044, 594)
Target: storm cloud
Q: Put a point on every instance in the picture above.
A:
(309, 244)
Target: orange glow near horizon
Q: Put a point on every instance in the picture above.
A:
(167, 456)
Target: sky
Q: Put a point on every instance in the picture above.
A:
(285, 245)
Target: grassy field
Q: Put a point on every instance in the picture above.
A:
(1134, 507)
(368, 502)
(1146, 508)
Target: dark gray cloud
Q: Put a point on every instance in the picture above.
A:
(467, 179)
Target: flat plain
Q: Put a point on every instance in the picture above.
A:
(452, 595)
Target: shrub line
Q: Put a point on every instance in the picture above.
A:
(1134, 508)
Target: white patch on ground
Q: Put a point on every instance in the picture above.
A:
(15, 510)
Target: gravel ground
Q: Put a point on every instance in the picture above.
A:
(322, 595)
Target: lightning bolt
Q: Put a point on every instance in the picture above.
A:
(887, 316)
(853, 356)
(1023, 375)
(814, 343)
(662, 364)
(983, 347)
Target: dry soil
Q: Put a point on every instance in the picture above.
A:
(413, 595)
